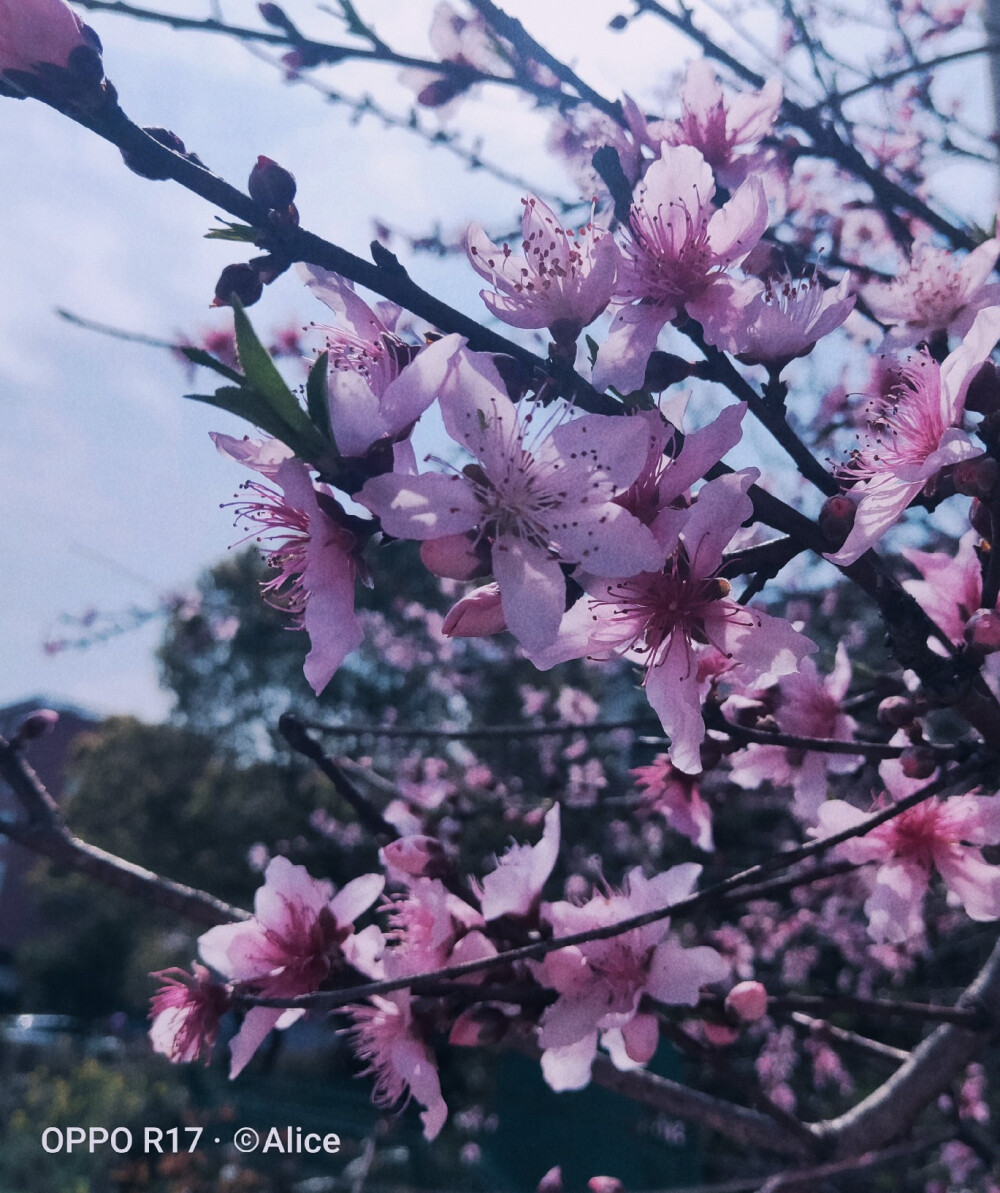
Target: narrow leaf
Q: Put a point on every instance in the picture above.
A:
(317, 399)
(198, 356)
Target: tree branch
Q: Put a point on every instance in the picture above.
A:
(44, 831)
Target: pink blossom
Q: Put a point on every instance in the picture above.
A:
(913, 436)
(300, 934)
(601, 983)
(515, 886)
(676, 797)
(667, 620)
(727, 133)
(952, 586)
(185, 1013)
(676, 258)
(35, 33)
(667, 476)
(385, 1036)
(539, 498)
(808, 705)
(785, 319)
(937, 293)
(315, 555)
(943, 835)
(563, 281)
(378, 385)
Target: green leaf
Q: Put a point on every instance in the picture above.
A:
(241, 232)
(248, 404)
(317, 399)
(263, 376)
(591, 349)
(198, 356)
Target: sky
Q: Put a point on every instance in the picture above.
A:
(111, 486)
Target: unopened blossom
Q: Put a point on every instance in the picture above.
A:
(938, 293)
(600, 983)
(478, 614)
(186, 1012)
(943, 835)
(316, 557)
(515, 886)
(747, 1001)
(562, 279)
(668, 620)
(785, 319)
(675, 795)
(300, 934)
(39, 33)
(727, 132)
(378, 385)
(808, 705)
(675, 259)
(540, 497)
(913, 435)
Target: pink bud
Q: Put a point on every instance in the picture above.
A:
(239, 281)
(551, 1182)
(836, 519)
(417, 856)
(456, 557)
(478, 1027)
(39, 32)
(897, 712)
(37, 723)
(476, 615)
(605, 1184)
(980, 519)
(918, 762)
(271, 185)
(720, 1034)
(747, 1001)
(982, 630)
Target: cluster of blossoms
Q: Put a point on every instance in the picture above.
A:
(303, 939)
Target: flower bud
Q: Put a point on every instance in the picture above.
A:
(897, 712)
(747, 1001)
(271, 185)
(976, 478)
(981, 520)
(720, 1034)
(551, 1182)
(983, 396)
(982, 630)
(456, 556)
(274, 15)
(36, 724)
(239, 281)
(440, 92)
(480, 1026)
(605, 1184)
(417, 855)
(836, 519)
(476, 615)
(918, 762)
